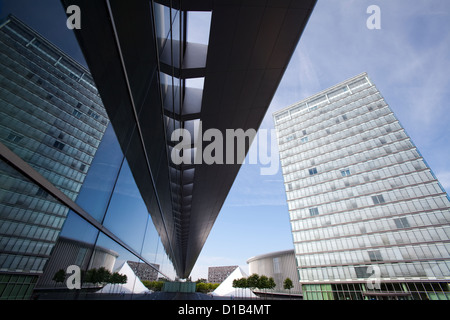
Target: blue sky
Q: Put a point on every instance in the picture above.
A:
(408, 59)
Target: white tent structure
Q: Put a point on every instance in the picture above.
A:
(225, 289)
(133, 285)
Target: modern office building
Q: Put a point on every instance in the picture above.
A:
(66, 197)
(369, 218)
(154, 77)
(278, 265)
(54, 126)
(219, 274)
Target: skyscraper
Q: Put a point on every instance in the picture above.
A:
(52, 117)
(369, 219)
(67, 197)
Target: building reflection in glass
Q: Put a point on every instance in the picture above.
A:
(67, 196)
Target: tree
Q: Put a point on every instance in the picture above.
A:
(252, 281)
(288, 285)
(263, 283)
(117, 278)
(59, 276)
(241, 283)
(98, 276)
(153, 285)
(272, 283)
(202, 287)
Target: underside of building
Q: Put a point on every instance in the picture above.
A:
(143, 64)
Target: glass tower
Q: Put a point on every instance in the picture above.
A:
(51, 117)
(369, 219)
(67, 196)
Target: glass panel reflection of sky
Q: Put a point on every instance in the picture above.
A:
(127, 214)
(198, 26)
(77, 228)
(97, 188)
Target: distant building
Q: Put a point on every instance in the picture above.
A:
(278, 265)
(219, 274)
(67, 252)
(143, 271)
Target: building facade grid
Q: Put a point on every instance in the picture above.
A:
(359, 192)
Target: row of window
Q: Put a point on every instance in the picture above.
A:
(362, 172)
(421, 269)
(45, 91)
(386, 240)
(16, 229)
(22, 263)
(421, 210)
(51, 158)
(22, 121)
(340, 156)
(344, 100)
(386, 255)
(362, 196)
(45, 219)
(54, 66)
(328, 228)
(25, 193)
(330, 123)
(25, 246)
(360, 130)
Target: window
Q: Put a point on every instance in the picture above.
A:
(59, 145)
(345, 172)
(378, 199)
(14, 137)
(375, 255)
(290, 138)
(344, 117)
(401, 223)
(304, 139)
(313, 212)
(304, 132)
(76, 113)
(276, 265)
(93, 115)
(312, 171)
(361, 272)
(41, 192)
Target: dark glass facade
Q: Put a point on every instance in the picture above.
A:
(67, 196)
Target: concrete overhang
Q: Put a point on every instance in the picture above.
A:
(250, 46)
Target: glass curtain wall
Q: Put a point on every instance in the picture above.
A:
(67, 196)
